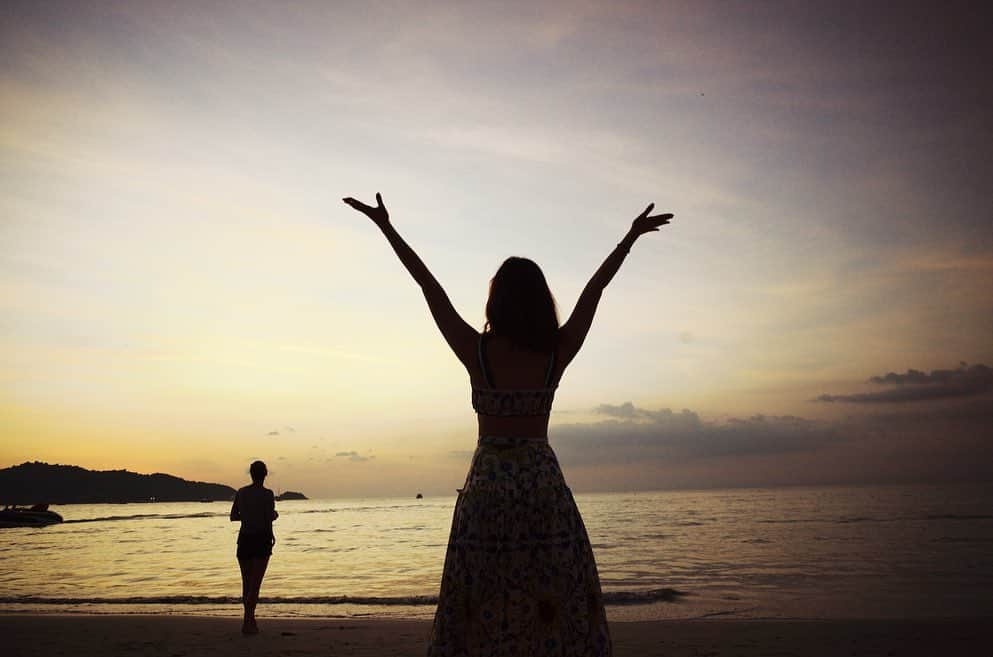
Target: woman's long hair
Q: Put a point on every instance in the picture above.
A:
(521, 307)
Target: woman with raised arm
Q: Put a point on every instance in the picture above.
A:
(519, 578)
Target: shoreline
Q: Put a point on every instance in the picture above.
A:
(30, 635)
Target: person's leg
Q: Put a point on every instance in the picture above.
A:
(255, 574)
(246, 570)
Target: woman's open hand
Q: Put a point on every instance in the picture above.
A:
(378, 214)
(649, 223)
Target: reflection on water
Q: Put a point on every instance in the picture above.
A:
(795, 552)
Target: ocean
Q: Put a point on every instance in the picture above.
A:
(824, 552)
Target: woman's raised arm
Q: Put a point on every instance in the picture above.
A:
(573, 332)
(460, 336)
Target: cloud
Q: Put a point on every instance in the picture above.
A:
(354, 456)
(636, 435)
(640, 448)
(917, 386)
(628, 411)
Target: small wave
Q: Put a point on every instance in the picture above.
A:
(849, 520)
(963, 539)
(854, 519)
(786, 521)
(729, 612)
(612, 598)
(225, 600)
(845, 520)
(111, 518)
(386, 507)
(642, 597)
(146, 516)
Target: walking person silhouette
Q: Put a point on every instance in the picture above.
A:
(519, 579)
(255, 506)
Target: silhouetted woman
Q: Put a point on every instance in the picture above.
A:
(255, 506)
(519, 577)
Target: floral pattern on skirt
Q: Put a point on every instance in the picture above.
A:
(519, 577)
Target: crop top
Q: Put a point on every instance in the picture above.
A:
(512, 402)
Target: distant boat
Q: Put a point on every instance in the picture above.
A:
(419, 497)
(34, 516)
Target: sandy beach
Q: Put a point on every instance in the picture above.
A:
(182, 636)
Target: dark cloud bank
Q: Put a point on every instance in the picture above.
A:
(917, 386)
(885, 443)
(634, 435)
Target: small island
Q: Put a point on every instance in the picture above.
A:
(37, 482)
(290, 495)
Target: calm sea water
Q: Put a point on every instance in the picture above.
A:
(788, 552)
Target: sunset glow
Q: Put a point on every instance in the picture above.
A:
(182, 290)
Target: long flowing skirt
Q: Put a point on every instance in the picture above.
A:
(519, 578)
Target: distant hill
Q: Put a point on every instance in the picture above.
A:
(34, 483)
(291, 495)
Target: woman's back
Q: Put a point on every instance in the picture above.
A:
(255, 505)
(513, 388)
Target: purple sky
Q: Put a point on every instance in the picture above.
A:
(179, 281)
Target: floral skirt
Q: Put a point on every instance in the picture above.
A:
(519, 578)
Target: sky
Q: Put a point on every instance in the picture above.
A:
(182, 290)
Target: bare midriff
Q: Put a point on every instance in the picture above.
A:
(530, 426)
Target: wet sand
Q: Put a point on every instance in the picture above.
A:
(182, 636)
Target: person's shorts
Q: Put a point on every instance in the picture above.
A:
(254, 546)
